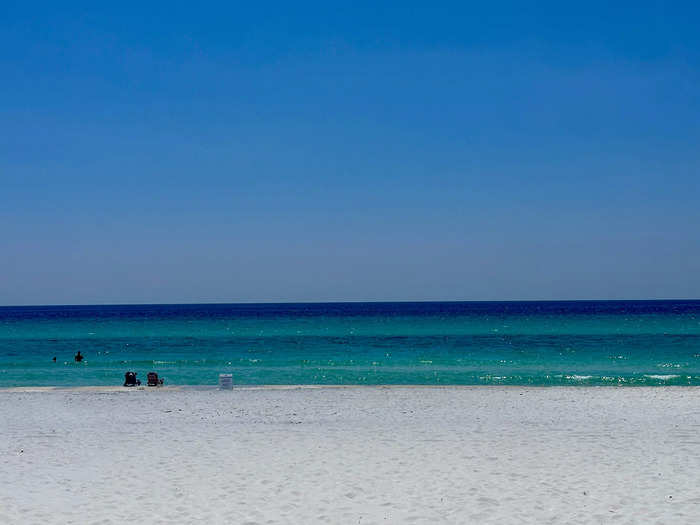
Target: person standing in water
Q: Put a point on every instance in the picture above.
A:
(78, 357)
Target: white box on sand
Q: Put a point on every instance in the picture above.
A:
(226, 381)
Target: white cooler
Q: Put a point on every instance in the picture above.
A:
(226, 381)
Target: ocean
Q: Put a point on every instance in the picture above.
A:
(429, 343)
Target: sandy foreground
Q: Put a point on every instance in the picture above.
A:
(350, 455)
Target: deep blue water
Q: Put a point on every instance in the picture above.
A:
(538, 343)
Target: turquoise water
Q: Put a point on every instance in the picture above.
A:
(518, 343)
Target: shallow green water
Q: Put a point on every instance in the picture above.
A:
(538, 343)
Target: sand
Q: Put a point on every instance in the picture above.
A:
(350, 455)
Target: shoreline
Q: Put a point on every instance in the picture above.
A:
(207, 388)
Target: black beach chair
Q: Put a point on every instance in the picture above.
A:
(130, 379)
(153, 379)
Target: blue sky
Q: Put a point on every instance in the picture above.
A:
(160, 152)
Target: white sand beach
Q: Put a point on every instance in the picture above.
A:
(350, 455)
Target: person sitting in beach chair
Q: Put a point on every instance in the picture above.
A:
(153, 379)
(130, 379)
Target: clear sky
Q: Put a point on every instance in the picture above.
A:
(197, 151)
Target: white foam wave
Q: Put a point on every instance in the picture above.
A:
(578, 377)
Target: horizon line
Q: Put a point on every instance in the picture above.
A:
(405, 301)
